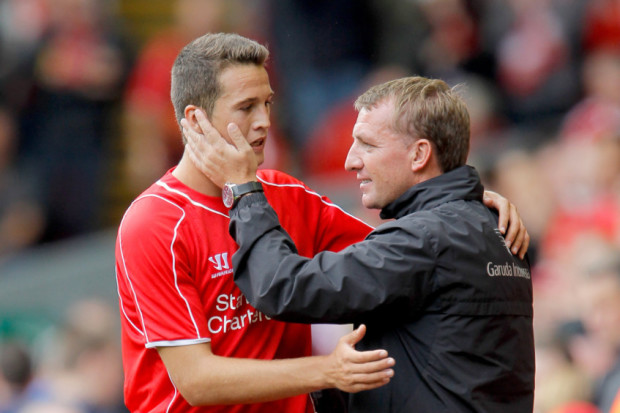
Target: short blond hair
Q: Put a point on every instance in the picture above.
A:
(426, 108)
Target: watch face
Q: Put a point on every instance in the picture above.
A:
(227, 196)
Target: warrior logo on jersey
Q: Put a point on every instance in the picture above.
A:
(220, 261)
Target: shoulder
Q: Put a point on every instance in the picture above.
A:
(279, 184)
(424, 225)
(160, 199)
(450, 225)
(152, 211)
(273, 178)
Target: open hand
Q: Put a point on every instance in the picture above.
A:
(217, 159)
(510, 223)
(353, 371)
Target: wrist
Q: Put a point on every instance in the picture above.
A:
(242, 180)
(320, 377)
(329, 372)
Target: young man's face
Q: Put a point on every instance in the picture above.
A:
(380, 157)
(245, 99)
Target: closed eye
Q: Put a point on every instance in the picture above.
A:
(365, 144)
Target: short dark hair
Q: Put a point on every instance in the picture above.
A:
(196, 70)
(426, 108)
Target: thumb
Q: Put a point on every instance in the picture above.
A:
(237, 137)
(356, 335)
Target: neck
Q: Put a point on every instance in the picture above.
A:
(429, 171)
(187, 173)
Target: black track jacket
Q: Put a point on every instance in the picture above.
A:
(437, 288)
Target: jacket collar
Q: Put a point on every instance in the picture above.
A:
(462, 183)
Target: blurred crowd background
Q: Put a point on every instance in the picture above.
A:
(86, 125)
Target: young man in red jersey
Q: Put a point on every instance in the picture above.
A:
(191, 341)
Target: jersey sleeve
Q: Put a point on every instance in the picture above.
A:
(335, 228)
(314, 222)
(157, 291)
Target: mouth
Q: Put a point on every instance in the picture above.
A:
(364, 182)
(258, 144)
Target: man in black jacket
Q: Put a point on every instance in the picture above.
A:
(437, 287)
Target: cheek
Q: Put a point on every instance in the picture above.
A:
(239, 117)
(244, 127)
(397, 177)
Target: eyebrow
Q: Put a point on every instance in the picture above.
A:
(362, 135)
(252, 100)
(246, 101)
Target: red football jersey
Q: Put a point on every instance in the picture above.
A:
(175, 285)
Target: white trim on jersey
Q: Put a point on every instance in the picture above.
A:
(173, 266)
(174, 343)
(118, 291)
(183, 194)
(176, 393)
(120, 244)
(331, 204)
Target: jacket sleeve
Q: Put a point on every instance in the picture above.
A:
(386, 274)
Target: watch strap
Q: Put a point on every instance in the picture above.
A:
(244, 189)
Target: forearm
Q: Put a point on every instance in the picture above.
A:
(362, 281)
(206, 379)
(220, 380)
(279, 284)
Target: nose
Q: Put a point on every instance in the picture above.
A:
(353, 162)
(262, 119)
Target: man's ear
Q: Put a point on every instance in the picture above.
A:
(421, 152)
(190, 114)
